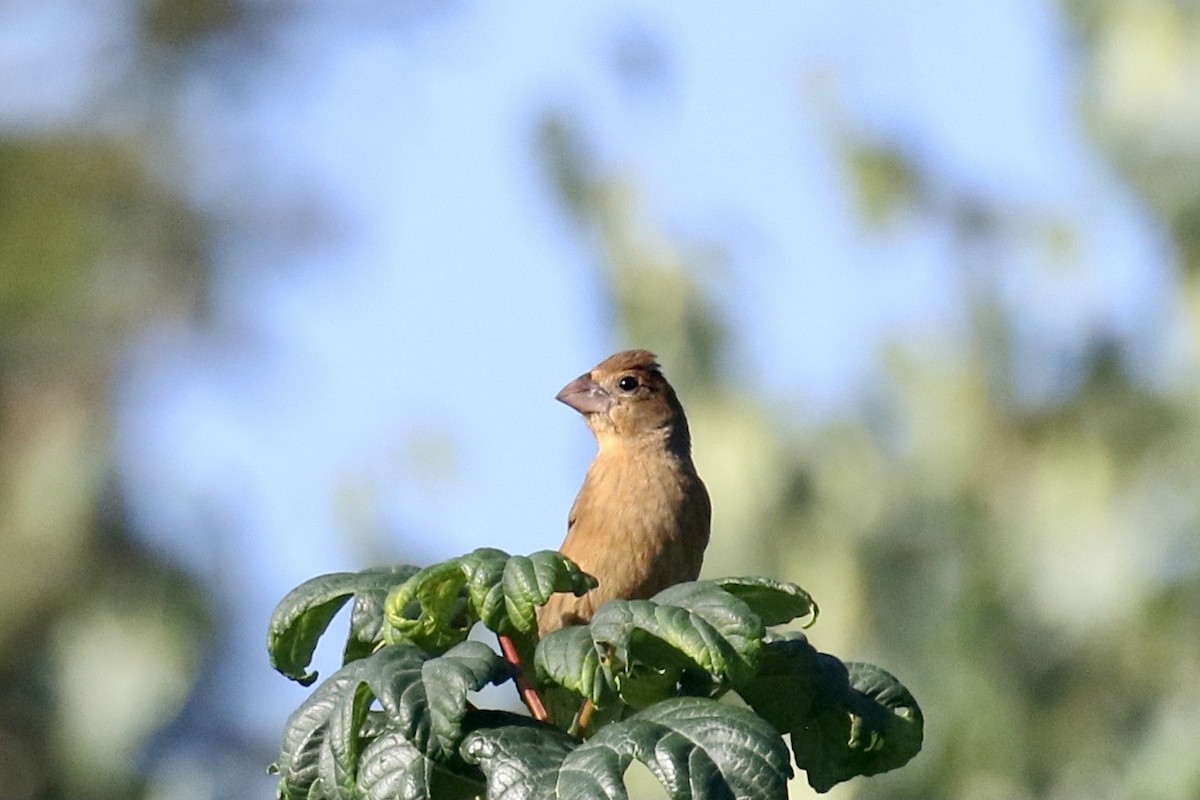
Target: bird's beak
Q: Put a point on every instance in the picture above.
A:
(585, 396)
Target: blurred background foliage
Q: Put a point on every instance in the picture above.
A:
(1008, 523)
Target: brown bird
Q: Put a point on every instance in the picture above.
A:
(641, 520)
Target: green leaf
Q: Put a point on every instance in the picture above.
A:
(789, 678)
(845, 720)
(393, 769)
(693, 625)
(426, 698)
(775, 602)
(395, 721)
(483, 570)
(465, 668)
(303, 615)
(873, 726)
(732, 618)
(437, 606)
(430, 608)
(641, 685)
(520, 759)
(697, 748)
(306, 736)
(337, 763)
(887, 726)
(693, 638)
(568, 657)
(367, 618)
(529, 583)
(328, 751)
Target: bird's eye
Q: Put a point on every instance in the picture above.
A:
(627, 384)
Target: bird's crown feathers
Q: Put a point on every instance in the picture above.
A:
(628, 360)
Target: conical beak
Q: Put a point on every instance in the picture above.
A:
(585, 396)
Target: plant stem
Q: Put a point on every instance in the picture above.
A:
(583, 718)
(529, 694)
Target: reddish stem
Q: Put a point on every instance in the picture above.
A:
(528, 693)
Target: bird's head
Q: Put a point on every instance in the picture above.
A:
(626, 397)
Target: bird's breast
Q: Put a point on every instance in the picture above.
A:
(639, 524)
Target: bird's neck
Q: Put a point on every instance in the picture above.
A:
(670, 441)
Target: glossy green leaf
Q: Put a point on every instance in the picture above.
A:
(569, 658)
(530, 581)
(395, 721)
(875, 726)
(732, 618)
(331, 743)
(641, 685)
(367, 619)
(520, 760)
(337, 762)
(430, 608)
(844, 720)
(483, 570)
(426, 698)
(437, 606)
(467, 667)
(393, 769)
(887, 726)
(697, 748)
(693, 625)
(302, 616)
(306, 737)
(789, 678)
(775, 602)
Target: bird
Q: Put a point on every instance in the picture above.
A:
(641, 520)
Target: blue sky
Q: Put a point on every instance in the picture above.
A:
(443, 298)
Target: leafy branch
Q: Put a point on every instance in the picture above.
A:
(397, 720)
